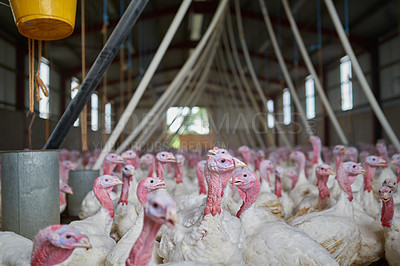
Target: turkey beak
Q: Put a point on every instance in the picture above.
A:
(117, 182)
(142, 160)
(330, 172)
(362, 171)
(171, 217)
(132, 172)
(161, 184)
(83, 243)
(171, 158)
(120, 159)
(239, 163)
(382, 162)
(385, 196)
(212, 151)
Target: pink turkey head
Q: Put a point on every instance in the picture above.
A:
(385, 193)
(375, 161)
(148, 159)
(65, 188)
(161, 209)
(65, 236)
(324, 170)
(165, 157)
(391, 183)
(129, 157)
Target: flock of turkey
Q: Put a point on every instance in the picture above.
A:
(250, 207)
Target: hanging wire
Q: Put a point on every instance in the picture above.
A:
(319, 31)
(279, 30)
(121, 12)
(105, 15)
(295, 48)
(346, 17)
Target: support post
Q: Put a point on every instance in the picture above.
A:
(143, 83)
(284, 69)
(178, 79)
(95, 73)
(311, 70)
(360, 75)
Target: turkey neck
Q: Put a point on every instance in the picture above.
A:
(142, 193)
(150, 168)
(345, 181)
(46, 254)
(103, 195)
(301, 162)
(369, 176)
(214, 194)
(200, 179)
(338, 162)
(160, 169)
(125, 189)
(322, 187)
(251, 195)
(387, 212)
(179, 173)
(64, 174)
(142, 250)
(278, 187)
(317, 152)
(246, 157)
(108, 168)
(62, 198)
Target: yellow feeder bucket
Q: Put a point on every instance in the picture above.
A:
(45, 20)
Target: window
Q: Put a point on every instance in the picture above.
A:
(44, 109)
(286, 107)
(310, 97)
(94, 112)
(107, 118)
(270, 106)
(346, 87)
(197, 122)
(74, 91)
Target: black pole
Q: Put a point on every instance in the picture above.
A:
(95, 73)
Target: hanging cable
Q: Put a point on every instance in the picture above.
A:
(84, 112)
(346, 17)
(105, 101)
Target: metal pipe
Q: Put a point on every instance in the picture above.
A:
(144, 82)
(250, 64)
(95, 74)
(204, 76)
(81, 182)
(234, 107)
(360, 75)
(30, 194)
(177, 80)
(242, 95)
(284, 69)
(312, 71)
(145, 134)
(194, 73)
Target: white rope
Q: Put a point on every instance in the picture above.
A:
(159, 118)
(312, 71)
(249, 63)
(360, 75)
(180, 76)
(143, 83)
(240, 89)
(205, 74)
(284, 69)
(196, 72)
